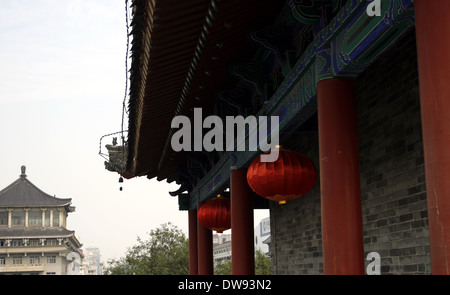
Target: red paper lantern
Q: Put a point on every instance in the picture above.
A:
(291, 176)
(215, 214)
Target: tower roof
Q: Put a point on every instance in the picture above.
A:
(23, 193)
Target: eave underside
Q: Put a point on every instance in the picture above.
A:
(177, 67)
(168, 90)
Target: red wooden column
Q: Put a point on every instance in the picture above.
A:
(204, 249)
(433, 52)
(342, 239)
(242, 248)
(193, 257)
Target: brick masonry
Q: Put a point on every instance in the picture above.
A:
(394, 208)
(296, 237)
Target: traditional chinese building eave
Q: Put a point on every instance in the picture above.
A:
(172, 70)
(176, 68)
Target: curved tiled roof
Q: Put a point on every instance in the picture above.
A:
(35, 232)
(39, 232)
(23, 193)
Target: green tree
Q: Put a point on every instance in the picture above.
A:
(165, 252)
(223, 267)
(262, 265)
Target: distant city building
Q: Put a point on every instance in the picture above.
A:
(220, 239)
(91, 262)
(33, 234)
(221, 247)
(222, 243)
(262, 233)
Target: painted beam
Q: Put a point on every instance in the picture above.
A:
(345, 48)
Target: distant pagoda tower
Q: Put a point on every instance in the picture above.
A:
(33, 234)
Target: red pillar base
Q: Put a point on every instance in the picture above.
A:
(242, 247)
(342, 238)
(193, 257)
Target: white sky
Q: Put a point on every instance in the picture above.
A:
(62, 80)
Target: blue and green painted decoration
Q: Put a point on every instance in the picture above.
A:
(344, 47)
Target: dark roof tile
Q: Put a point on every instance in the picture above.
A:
(34, 231)
(23, 193)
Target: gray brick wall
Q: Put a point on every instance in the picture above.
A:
(392, 177)
(296, 237)
(391, 162)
